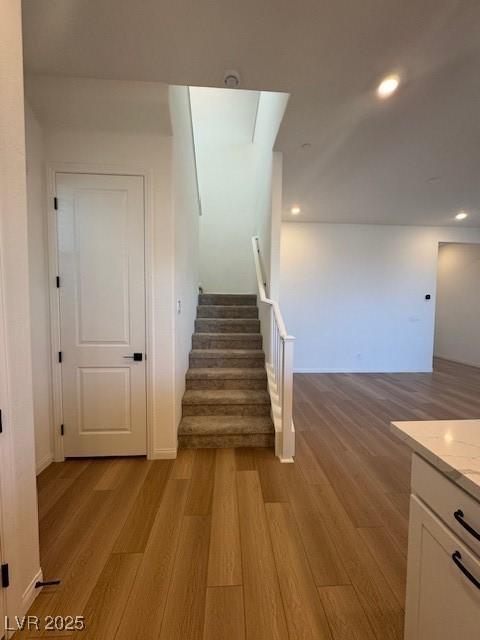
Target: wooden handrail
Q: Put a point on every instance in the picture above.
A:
(263, 294)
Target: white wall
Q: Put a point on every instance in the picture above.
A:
(234, 136)
(186, 213)
(354, 295)
(152, 154)
(457, 329)
(39, 291)
(228, 219)
(18, 499)
(271, 108)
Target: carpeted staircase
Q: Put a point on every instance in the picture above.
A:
(226, 402)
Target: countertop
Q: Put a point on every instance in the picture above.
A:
(452, 446)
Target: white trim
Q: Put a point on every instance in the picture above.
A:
(31, 592)
(42, 464)
(99, 169)
(163, 454)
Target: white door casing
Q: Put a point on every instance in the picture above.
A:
(101, 258)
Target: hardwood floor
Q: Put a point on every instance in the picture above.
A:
(231, 544)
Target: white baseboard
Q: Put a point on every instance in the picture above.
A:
(163, 454)
(42, 464)
(30, 592)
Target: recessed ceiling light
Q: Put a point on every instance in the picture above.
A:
(388, 86)
(295, 210)
(461, 215)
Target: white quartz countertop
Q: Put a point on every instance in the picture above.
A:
(452, 446)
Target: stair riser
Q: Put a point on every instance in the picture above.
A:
(227, 312)
(218, 325)
(226, 410)
(229, 384)
(226, 299)
(227, 363)
(219, 342)
(227, 441)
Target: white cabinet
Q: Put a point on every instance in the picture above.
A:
(443, 585)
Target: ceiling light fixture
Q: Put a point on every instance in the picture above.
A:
(295, 210)
(388, 86)
(231, 79)
(461, 215)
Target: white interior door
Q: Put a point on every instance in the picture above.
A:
(101, 253)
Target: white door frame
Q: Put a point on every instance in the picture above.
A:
(56, 372)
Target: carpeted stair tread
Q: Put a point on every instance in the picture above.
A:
(225, 353)
(225, 397)
(225, 425)
(226, 373)
(230, 299)
(227, 325)
(227, 311)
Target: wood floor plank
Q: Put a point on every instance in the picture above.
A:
(351, 484)
(49, 496)
(57, 558)
(345, 614)
(323, 557)
(389, 558)
(136, 530)
(185, 609)
(91, 558)
(107, 602)
(224, 614)
(264, 612)
(70, 502)
(304, 612)
(144, 610)
(200, 495)
(311, 468)
(377, 599)
(225, 558)
(245, 459)
(183, 464)
(271, 479)
(112, 476)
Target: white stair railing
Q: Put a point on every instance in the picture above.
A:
(279, 355)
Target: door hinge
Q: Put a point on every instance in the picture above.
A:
(55, 203)
(62, 430)
(1, 422)
(58, 282)
(5, 574)
(60, 356)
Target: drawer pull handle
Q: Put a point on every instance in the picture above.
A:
(458, 515)
(457, 557)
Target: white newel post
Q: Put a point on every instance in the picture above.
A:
(288, 435)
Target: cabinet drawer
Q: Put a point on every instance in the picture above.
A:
(443, 588)
(449, 502)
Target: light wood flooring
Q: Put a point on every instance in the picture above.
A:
(231, 544)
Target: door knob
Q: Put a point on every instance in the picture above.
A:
(138, 357)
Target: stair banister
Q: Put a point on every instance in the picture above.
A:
(279, 366)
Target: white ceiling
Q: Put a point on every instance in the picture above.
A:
(410, 160)
(222, 117)
(116, 106)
